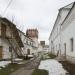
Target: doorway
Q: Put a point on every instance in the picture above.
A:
(65, 49)
(28, 51)
(1, 50)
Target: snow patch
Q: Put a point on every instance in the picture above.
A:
(30, 55)
(18, 59)
(53, 67)
(4, 63)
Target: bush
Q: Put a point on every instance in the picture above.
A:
(40, 72)
(52, 56)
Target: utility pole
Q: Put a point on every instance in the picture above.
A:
(11, 45)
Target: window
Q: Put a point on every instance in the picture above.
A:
(0, 46)
(65, 46)
(3, 30)
(71, 44)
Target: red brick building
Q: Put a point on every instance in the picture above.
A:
(32, 33)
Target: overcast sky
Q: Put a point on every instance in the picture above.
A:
(40, 14)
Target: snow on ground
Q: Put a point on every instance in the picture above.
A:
(18, 59)
(4, 63)
(53, 67)
(30, 55)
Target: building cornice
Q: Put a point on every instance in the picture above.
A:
(70, 9)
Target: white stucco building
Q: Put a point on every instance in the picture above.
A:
(29, 44)
(62, 37)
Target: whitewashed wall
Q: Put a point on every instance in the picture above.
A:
(66, 33)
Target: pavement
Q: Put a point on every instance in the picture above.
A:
(28, 68)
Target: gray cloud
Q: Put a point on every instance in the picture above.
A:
(40, 14)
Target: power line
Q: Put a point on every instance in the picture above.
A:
(7, 7)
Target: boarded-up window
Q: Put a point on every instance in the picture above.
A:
(3, 30)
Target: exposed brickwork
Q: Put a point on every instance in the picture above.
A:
(32, 33)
